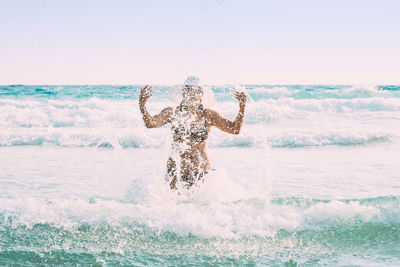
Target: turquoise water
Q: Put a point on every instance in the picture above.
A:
(313, 179)
(138, 244)
(222, 92)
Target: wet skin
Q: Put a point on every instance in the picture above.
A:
(194, 161)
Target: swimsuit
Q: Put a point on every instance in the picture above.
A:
(188, 127)
(187, 131)
(192, 178)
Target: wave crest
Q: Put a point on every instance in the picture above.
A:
(117, 123)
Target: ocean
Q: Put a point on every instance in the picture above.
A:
(313, 179)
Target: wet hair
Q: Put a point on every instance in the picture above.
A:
(196, 89)
(183, 107)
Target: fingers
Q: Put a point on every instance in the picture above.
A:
(145, 93)
(150, 91)
(241, 96)
(147, 87)
(146, 90)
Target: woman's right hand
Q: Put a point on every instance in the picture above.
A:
(145, 93)
(242, 97)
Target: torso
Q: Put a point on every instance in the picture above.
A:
(189, 140)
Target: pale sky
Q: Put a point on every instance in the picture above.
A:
(162, 42)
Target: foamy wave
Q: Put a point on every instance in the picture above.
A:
(320, 138)
(143, 138)
(214, 219)
(84, 137)
(274, 92)
(125, 113)
(68, 113)
(118, 123)
(320, 92)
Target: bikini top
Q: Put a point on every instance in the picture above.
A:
(186, 126)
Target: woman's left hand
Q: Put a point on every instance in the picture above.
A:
(242, 97)
(145, 93)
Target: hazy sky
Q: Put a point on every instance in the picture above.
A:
(161, 42)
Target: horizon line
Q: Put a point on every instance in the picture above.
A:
(211, 84)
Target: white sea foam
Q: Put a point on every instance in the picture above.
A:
(73, 187)
(221, 207)
(338, 92)
(215, 218)
(141, 138)
(118, 123)
(274, 92)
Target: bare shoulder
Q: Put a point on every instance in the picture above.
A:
(167, 110)
(212, 116)
(165, 115)
(211, 113)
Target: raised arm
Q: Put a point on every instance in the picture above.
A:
(232, 127)
(152, 121)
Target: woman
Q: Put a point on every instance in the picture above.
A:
(190, 126)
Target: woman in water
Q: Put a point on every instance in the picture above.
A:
(190, 126)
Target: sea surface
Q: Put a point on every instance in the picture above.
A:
(313, 179)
